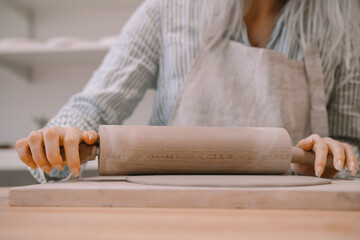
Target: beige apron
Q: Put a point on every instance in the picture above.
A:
(236, 85)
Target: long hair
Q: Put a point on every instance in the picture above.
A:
(306, 21)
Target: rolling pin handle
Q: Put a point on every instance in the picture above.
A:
(308, 157)
(86, 152)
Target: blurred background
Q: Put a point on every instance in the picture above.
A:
(48, 51)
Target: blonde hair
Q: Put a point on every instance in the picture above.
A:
(307, 21)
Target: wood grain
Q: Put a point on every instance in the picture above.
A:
(339, 195)
(173, 223)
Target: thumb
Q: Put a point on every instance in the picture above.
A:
(90, 137)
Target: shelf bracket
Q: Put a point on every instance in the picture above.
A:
(17, 71)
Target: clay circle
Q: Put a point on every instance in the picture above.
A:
(227, 180)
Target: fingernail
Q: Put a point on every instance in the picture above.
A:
(352, 169)
(319, 171)
(59, 167)
(308, 141)
(75, 172)
(90, 136)
(32, 165)
(47, 169)
(339, 165)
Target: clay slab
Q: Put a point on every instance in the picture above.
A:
(227, 180)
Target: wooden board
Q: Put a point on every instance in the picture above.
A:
(81, 223)
(339, 195)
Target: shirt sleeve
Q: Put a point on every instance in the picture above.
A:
(344, 109)
(115, 89)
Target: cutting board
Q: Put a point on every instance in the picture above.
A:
(156, 191)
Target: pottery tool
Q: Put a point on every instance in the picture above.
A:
(131, 150)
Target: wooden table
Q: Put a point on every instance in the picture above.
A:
(165, 223)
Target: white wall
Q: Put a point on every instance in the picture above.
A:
(18, 18)
(21, 101)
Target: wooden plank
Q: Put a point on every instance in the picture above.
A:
(339, 195)
(173, 223)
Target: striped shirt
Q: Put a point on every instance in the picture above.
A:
(156, 49)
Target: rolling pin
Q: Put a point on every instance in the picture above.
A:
(130, 150)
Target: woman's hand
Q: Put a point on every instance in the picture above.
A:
(32, 152)
(343, 153)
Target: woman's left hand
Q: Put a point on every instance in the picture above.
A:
(343, 153)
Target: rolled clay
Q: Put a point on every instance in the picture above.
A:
(227, 180)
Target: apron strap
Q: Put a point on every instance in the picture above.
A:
(318, 112)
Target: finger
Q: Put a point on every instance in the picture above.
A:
(36, 144)
(307, 143)
(321, 151)
(338, 151)
(23, 151)
(90, 137)
(52, 148)
(73, 137)
(351, 161)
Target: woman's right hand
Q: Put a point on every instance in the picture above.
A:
(42, 148)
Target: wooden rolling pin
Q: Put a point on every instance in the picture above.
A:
(126, 150)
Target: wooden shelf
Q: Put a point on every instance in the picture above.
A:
(45, 55)
(22, 61)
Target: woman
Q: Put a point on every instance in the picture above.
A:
(291, 64)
